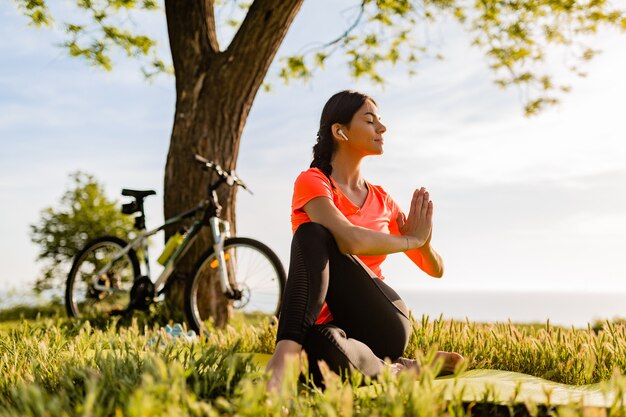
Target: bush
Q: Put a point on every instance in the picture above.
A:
(84, 212)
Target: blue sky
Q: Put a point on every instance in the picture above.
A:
(520, 204)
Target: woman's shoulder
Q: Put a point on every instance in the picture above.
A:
(312, 174)
(309, 184)
(313, 179)
(312, 171)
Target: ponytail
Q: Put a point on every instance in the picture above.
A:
(322, 154)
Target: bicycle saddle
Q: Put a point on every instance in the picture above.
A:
(137, 193)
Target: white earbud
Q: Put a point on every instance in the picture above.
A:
(342, 134)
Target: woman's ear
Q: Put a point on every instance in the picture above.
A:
(335, 128)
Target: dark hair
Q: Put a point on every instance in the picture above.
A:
(340, 108)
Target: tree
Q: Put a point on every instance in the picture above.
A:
(215, 86)
(84, 212)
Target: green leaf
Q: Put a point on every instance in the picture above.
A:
(320, 57)
(371, 40)
(37, 11)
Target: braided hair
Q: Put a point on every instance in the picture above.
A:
(340, 108)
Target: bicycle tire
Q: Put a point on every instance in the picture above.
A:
(269, 301)
(132, 264)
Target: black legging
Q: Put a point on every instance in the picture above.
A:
(370, 320)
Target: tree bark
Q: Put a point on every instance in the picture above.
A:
(214, 93)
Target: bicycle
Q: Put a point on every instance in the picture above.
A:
(105, 278)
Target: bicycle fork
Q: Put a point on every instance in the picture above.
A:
(227, 281)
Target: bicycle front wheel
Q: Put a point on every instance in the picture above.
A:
(255, 268)
(88, 294)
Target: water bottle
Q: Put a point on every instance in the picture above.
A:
(172, 244)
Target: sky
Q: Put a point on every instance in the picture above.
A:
(520, 204)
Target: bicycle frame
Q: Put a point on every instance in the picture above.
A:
(141, 242)
(216, 224)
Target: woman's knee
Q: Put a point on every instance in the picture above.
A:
(393, 320)
(314, 236)
(312, 230)
(395, 337)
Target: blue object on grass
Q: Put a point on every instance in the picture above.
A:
(175, 334)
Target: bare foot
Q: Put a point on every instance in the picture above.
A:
(287, 351)
(408, 365)
(450, 362)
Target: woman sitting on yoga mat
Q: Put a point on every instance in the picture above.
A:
(336, 306)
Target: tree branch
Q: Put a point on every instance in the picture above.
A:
(259, 37)
(190, 37)
(208, 7)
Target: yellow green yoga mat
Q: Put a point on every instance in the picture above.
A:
(502, 386)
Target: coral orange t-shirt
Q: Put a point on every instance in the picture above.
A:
(378, 213)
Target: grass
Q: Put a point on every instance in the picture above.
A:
(53, 366)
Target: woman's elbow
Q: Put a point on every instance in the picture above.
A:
(348, 242)
(438, 273)
(344, 247)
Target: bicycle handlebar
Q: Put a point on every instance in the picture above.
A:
(230, 177)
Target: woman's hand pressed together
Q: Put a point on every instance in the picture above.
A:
(419, 223)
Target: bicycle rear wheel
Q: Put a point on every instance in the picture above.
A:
(256, 269)
(82, 299)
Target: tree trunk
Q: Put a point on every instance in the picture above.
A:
(214, 93)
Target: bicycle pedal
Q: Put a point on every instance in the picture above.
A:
(142, 294)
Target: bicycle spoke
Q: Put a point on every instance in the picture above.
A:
(83, 298)
(256, 274)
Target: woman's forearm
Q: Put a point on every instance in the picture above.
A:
(362, 241)
(428, 260)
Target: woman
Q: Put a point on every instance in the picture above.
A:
(336, 306)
